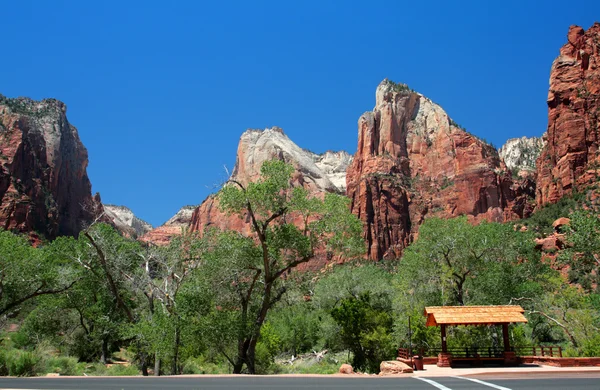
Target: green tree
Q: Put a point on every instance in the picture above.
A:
(166, 271)
(454, 262)
(27, 273)
(583, 252)
(258, 265)
(366, 330)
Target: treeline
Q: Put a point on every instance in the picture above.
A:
(228, 303)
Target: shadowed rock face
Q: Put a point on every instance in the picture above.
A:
(413, 162)
(44, 186)
(570, 158)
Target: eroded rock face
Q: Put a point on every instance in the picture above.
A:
(413, 162)
(178, 223)
(570, 159)
(520, 154)
(44, 186)
(317, 173)
(126, 221)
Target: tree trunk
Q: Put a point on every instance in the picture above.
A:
(144, 363)
(104, 357)
(156, 364)
(174, 370)
(250, 355)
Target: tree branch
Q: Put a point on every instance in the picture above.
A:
(38, 292)
(111, 282)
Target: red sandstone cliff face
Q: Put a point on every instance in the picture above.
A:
(412, 161)
(44, 186)
(570, 159)
(175, 226)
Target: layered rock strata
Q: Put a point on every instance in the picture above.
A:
(414, 162)
(570, 161)
(44, 187)
(176, 225)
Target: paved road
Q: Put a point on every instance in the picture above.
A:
(580, 381)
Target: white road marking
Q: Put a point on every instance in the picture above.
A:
(482, 383)
(433, 383)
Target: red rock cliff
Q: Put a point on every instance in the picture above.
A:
(44, 186)
(317, 173)
(570, 159)
(413, 161)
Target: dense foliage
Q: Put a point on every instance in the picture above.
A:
(223, 302)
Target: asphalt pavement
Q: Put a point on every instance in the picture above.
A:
(587, 381)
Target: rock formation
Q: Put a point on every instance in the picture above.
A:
(124, 220)
(570, 159)
(175, 226)
(520, 154)
(413, 161)
(317, 173)
(324, 172)
(44, 186)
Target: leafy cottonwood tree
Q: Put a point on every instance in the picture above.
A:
(166, 270)
(27, 273)
(255, 267)
(454, 262)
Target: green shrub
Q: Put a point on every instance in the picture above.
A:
(22, 363)
(201, 365)
(3, 362)
(541, 221)
(63, 365)
(122, 370)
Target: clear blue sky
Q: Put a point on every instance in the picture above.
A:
(161, 91)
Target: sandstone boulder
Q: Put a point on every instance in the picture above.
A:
(394, 367)
(559, 223)
(346, 369)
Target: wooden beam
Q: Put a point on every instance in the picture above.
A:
(505, 337)
(444, 345)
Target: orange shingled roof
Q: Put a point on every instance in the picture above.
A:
(474, 315)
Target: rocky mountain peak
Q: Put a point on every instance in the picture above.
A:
(163, 234)
(324, 172)
(414, 162)
(126, 221)
(520, 154)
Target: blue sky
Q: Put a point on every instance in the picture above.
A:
(161, 91)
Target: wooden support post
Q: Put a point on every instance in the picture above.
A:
(444, 345)
(505, 337)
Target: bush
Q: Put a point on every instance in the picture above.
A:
(201, 365)
(541, 221)
(122, 370)
(3, 362)
(21, 363)
(63, 365)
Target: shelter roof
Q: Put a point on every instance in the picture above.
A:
(474, 315)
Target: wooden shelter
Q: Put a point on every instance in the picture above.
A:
(444, 316)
